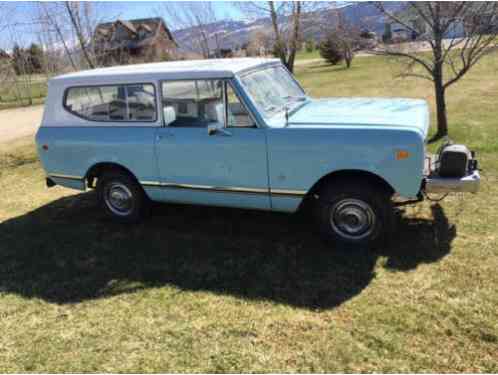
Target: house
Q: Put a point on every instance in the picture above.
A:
(4, 56)
(413, 27)
(130, 41)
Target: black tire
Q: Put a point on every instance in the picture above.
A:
(122, 197)
(356, 213)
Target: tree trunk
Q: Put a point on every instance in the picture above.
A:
(442, 120)
(278, 39)
(295, 36)
(348, 56)
(437, 75)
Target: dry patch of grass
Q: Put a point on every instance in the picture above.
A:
(212, 289)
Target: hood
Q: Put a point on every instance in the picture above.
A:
(379, 112)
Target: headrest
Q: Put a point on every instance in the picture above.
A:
(169, 115)
(220, 113)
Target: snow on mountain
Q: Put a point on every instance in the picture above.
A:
(234, 34)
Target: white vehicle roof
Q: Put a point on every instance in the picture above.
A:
(186, 69)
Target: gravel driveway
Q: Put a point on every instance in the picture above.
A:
(19, 122)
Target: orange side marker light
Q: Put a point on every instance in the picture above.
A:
(402, 154)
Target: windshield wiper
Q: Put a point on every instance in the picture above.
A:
(271, 108)
(296, 98)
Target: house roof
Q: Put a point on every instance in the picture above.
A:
(150, 24)
(4, 55)
(145, 27)
(186, 69)
(128, 25)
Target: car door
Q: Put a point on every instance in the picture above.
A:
(210, 151)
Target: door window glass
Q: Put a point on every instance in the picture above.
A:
(238, 116)
(193, 103)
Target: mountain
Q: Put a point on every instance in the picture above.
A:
(231, 34)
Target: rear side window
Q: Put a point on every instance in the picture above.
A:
(135, 103)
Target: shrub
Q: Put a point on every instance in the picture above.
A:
(330, 49)
(309, 45)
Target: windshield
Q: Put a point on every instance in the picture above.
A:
(273, 90)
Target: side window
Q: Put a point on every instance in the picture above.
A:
(238, 116)
(193, 103)
(112, 103)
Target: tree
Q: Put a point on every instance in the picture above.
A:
(331, 50)
(195, 18)
(459, 34)
(18, 59)
(259, 44)
(309, 45)
(71, 25)
(35, 58)
(388, 35)
(348, 37)
(76, 12)
(53, 22)
(287, 19)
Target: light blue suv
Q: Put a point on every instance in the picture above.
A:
(242, 133)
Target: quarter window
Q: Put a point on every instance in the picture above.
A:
(134, 103)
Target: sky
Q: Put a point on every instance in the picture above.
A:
(19, 15)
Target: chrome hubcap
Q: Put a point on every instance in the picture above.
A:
(118, 198)
(352, 218)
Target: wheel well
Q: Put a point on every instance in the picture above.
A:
(98, 169)
(351, 174)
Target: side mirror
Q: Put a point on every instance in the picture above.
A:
(217, 128)
(212, 129)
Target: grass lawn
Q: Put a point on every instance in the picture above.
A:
(305, 55)
(12, 98)
(210, 289)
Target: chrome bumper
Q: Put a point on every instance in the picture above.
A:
(467, 184)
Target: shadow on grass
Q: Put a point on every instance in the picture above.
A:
(67, 252)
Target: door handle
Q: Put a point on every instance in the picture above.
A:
(161, 136)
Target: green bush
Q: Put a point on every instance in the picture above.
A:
(309, 45)
(330, 49)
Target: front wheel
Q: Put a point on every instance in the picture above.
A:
(355, 213)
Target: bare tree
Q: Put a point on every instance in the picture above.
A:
(458, 34)
(259, 43)
(4, 16)
(286, 22)
(53, 22)
(78, 13)
(347, 35)
(71, 25)
(195, 18)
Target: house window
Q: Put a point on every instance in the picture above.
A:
(131, 103)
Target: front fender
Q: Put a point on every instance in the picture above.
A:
(299, 157)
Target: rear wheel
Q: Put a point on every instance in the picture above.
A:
(355, 213)
(121, 197)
